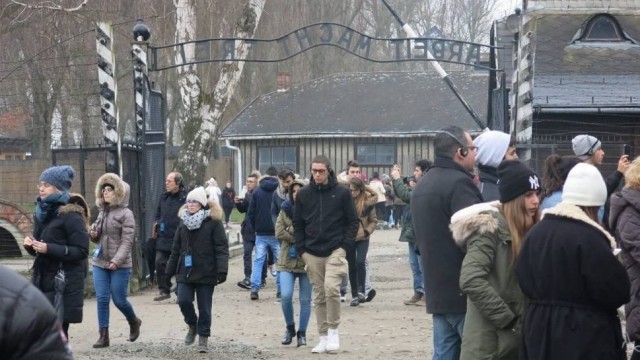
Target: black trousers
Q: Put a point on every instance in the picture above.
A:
(357, 270)
(150, 257)
(164, 281)
(227, 214)
(203, 293)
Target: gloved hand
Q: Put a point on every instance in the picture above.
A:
(222, 277)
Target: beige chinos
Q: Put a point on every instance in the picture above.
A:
(326, 274)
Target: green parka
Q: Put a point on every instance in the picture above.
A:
(284, 234)
(495, 305)
(403, 192)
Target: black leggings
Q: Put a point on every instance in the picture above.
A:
(227, 214)
(357, 271)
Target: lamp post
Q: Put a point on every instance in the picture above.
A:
(141, 35)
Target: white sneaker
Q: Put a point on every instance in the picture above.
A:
(333, 341)
(321, 347)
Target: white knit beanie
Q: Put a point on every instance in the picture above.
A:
(492, 146)
(198, 194)
(584, 186)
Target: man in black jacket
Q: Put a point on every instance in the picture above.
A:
(444, 189)
(325, 225)
(247, 232)
(166, 224)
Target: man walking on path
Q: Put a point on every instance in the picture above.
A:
(446, 188)
(259, 215)
(165, 226)
(325, 225)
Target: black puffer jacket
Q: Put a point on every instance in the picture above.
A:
(325, 218)
(29, 327)
(67, 241)
(167, 217)
(209, 249)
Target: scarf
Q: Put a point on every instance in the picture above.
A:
(193, 221)
(48, 207)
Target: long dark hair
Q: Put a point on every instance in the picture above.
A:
(555, 171)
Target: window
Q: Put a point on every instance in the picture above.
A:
(278, 156)
(602, 28)
(376, 154)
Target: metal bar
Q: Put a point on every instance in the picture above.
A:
(409, 30)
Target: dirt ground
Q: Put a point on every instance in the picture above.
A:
(243, 329)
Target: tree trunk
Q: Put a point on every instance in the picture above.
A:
(204, 110)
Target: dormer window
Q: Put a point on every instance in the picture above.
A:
(603, 28)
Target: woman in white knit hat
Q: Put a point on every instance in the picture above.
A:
(199, 260)
(571, 278)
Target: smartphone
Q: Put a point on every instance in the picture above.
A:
(626, 150)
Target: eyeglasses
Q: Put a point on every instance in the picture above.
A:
(107, 190)
(471, 148)
(318, 171)
(43, 185)
(191, 202)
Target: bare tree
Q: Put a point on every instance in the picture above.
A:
(204, 111)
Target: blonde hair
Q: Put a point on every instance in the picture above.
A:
(632, 175)
(519, 222)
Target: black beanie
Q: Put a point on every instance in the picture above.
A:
(515, 179)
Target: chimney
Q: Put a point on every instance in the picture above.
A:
(284, 81)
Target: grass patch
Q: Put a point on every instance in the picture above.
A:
(236, 216)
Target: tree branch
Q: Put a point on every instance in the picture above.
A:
(50, 5)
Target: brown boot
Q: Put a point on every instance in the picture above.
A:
(134, 329)
(103, 340)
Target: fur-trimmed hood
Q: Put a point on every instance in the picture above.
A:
(77, 204)
(574, 212)
(476, 219)
(370, 197)
(121, 191)
(215, 210)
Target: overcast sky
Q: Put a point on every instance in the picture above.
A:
(505, 7)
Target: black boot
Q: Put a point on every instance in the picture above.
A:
(191, 335)
(302, 338)
(134, 329)
(289, 334)
(103, 340)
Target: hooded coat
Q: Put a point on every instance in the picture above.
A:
(284, 233)
(67, 241)
(368, 219)
(573, 284)
(259, 213)
(208, 246)
(624, 221)
(495, 303)
(115, 224)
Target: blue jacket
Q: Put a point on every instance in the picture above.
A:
(260, 207)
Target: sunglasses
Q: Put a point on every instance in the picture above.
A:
(107, 190)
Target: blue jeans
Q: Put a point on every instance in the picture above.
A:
(108, 284)
(416, 268)
(262, 243)
(204, 295)
(447, 336)
(287, 283)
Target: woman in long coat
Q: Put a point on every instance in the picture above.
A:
(492, 235)
(60, 243)
(573, 282)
